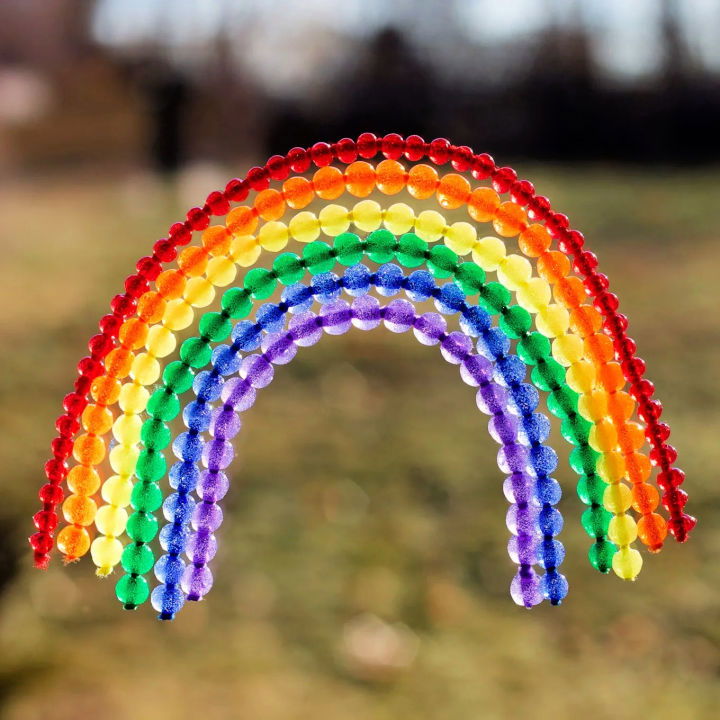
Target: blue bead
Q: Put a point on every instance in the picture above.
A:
(326, 287)
(178, 507)
(207, 386)
(554, 587)
(188, 446)
(510, 370)
(184, 476)
(167, 600)
(450, 299)
(550, 521)
(535, 428)
(389, 279)
(169, 569)
(551, 553)
(196, 415)
(474, 321)
(226, 361)
(357, 280)
(493, 343)
(297, 297)
(173, 538)
(246, 336)
(544, 459)
(548, 490)
(525, 398)
(420, 285)
(270, 317)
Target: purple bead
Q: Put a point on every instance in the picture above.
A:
(201, 547)
(476, 370)
(366, 312)
(491, 399)
(512, 457)
(213, 486)
(217, 454)
(238, 393)
(522, 549)
(257, 370)
(503, 428)
(525, 588)
(522, 519)
(208, 516)
(455, 347)
(306, 329)
(519, 487)
(336, 317)
(196, 581)
(399, 316)
(429, 327)
(279, 348)
(225, 424)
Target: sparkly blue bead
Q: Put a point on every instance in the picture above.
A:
(188, 446)
(474, 321)
(550, 521)
(524, 397)
(173, 538)
(493, 343)
(196, 415)
(325, 286)
(297, 297)
(167, 600)
(178, 507)
(184, 476)
(225, 360)
(548, 490)
(420, 285)
(389, 279)
(450, 299)
(246, 336)
(554, 587)
(510, 370)
(551, 553)
(544, 459)
(270, 317)
(535, 428)
(207, 386)
(357, 280)
(169, 569)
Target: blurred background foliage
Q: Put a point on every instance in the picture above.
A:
(362, 570)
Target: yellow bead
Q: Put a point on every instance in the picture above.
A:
(178, 315)
(514, 271)
(126, 429)
(627, 563)
(461, 238)
(622, 530)
(133, 398)
(145, 369)
(116, 490)
(199, 292)
(399, 219)
(160, 341)
(430, 225)
(581, 376)
(553, 321)
(305, 227)
(334, 220)
(221, 271)
(367, 215)
(106, 553)
(111, 520)
(123, 459)
(534, 295)
(244, 250)
(611, 466)
(593, 406)
(273, 236)
(617, 498)
(603, 436)
(568, 349)
(488, 252)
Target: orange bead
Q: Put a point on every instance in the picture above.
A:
(483, 203)
(652, 531)
(585, 320)
(570, 291)
(151, 307)
(242, 220)
(621, 405)
(453, 191)
(80, 509)
(329, 183)
(216, 240)
(89, 449)
(97, 419)
(638, 467)
(73, 542)
(645, 497)
(106, 389)
(611, 376)
(422, 181)
(170, 284)
(133, 333)
(360, 178)
(270, 204)
(631, 436)
(118, 363)
(193, 261)
(553, 265)
(534, 240)
(391, 177)
(83, 480)
(599, 348)
(298, 192)
(510, 219)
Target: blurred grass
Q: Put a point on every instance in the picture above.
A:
(362, 570)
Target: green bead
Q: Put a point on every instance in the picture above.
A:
(562, 402)
(470, 277)
(146, 496)
(381, 246)
(236, 303)
(515, 322)
(442, 261)
(162, 406)
(260, 283)
(132, 590)
(533, 347)
(142, 526)
(583, 460)
(150, 466)
(155, 434)
(215, 326)
(548, 374)
(494, 297)
(137, 559)
(318, 257)
(596, 520)
(289, 268)
(349, 249)
(178, 376)
(195, 352)
(590, 489)
(575, 429)
(412, 250)
(601, 555)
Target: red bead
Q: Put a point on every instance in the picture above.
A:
(461, 157)
(217, 204)
(633, 367)
(649, 410)
(67, 425)
(278, 167)
(56, 470)
(393, 146)
(136, 285)
(61, 447)
(299, 160)
(606, 302)
(100, 345)
(321, 154)
(622, 321)
(51, 494)
(236, 190)
(258, 179)
(198, 218)
(596, 283)
(41, 542)
(45, 521)
(669, 479)
(164, 251)
(367, 145)
(664, 455)
(539, 207)
(680, 527)
(674, 498)
(90, 367)
(521, 192)
(439, 151)
(503, 179)
(570, 242)
(74, 403)
(642, 388)
(662, 431)
(482, 166)
(122, 305)
(148, 267)
(415, 148)
(557, 223)
(346, 151)
(110, 325)
(83, 384)
(179, 234)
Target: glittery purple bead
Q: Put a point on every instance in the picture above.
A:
(522, 519)
(366, 312)
(279, 348)
(455, 347)
(522, 549)
(519, 487)
(525, 588)
(201, 547)
(491, 398)
(217, 454)
(503, 428)
(239, 393)
(258, 370)
(336, 317)
(399, 316)
(512, 457)
(196, 581)
(224, 424)
(208, 516)
(305, 329)
(213, 486)
(429, 327)
(476, 370)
